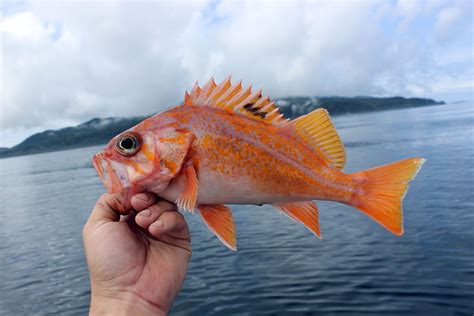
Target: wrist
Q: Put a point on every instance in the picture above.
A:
(122, 303)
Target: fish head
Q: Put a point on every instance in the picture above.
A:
(126, 161)
(142, 158)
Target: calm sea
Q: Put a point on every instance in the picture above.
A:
(280, 268)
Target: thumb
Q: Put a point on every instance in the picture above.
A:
(109, 207)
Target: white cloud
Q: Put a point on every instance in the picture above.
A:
(66, 62)
(453, 20)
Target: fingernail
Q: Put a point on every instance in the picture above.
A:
(143, 196)
(158, 224)
(145, 213)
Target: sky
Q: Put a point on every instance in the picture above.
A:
(65, 62)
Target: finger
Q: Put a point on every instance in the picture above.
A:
(108, 208)
(168, 222)
(130, 218)
(143, 200)
(146, 217)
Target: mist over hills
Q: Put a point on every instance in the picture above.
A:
(93, 132)
(295, 106)
(100, 130)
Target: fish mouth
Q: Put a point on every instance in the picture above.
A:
(113, 175)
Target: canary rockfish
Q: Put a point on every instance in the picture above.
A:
(228, 145)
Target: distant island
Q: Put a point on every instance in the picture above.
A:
(100, 130)
(295, 106)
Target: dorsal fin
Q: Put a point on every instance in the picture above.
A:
(236, 99)
(317, 129)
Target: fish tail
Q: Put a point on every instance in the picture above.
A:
(379, 192)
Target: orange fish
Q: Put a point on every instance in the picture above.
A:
(226, 144)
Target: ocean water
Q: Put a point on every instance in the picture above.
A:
(280, 267)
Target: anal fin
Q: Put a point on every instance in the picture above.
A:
(305, 212)
(218, 218)
(187, 199)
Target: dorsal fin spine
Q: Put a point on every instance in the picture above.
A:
(250, 99)
(229, 94)
(206, 91)
(208, 85)
(233, 98)
(266, 106)
(196, 89)
(239, 97)
(219, 90)
(262, 104)
(187, 98)
(278, 118)
(272, 112)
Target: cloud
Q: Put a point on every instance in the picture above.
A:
(453, 20)
(66, 62)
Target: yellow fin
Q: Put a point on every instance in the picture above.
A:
(317, 129)
(381, 191)
(236, 99)
(305, 212)
(218, 218)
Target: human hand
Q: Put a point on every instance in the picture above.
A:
(137, 263)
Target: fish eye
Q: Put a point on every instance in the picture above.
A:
(128, 144)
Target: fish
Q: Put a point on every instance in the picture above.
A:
(226, 144)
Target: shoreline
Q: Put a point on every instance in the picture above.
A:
(6, 154)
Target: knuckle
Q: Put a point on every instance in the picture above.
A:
(167, 205)
(103, 198)
(161, 206)
(156, 212)
(151, 196)
(179, 216)
(174, 218)
(155, 208)
(152, 199)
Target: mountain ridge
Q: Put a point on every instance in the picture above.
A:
(98, 131)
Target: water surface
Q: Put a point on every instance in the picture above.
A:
(280, 267)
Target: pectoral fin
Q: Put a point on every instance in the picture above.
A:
(218, 218)
(305, 212)
(187, 199)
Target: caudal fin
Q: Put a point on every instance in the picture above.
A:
(381, 190)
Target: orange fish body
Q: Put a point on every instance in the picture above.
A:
(226, 144)
(244, 161)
